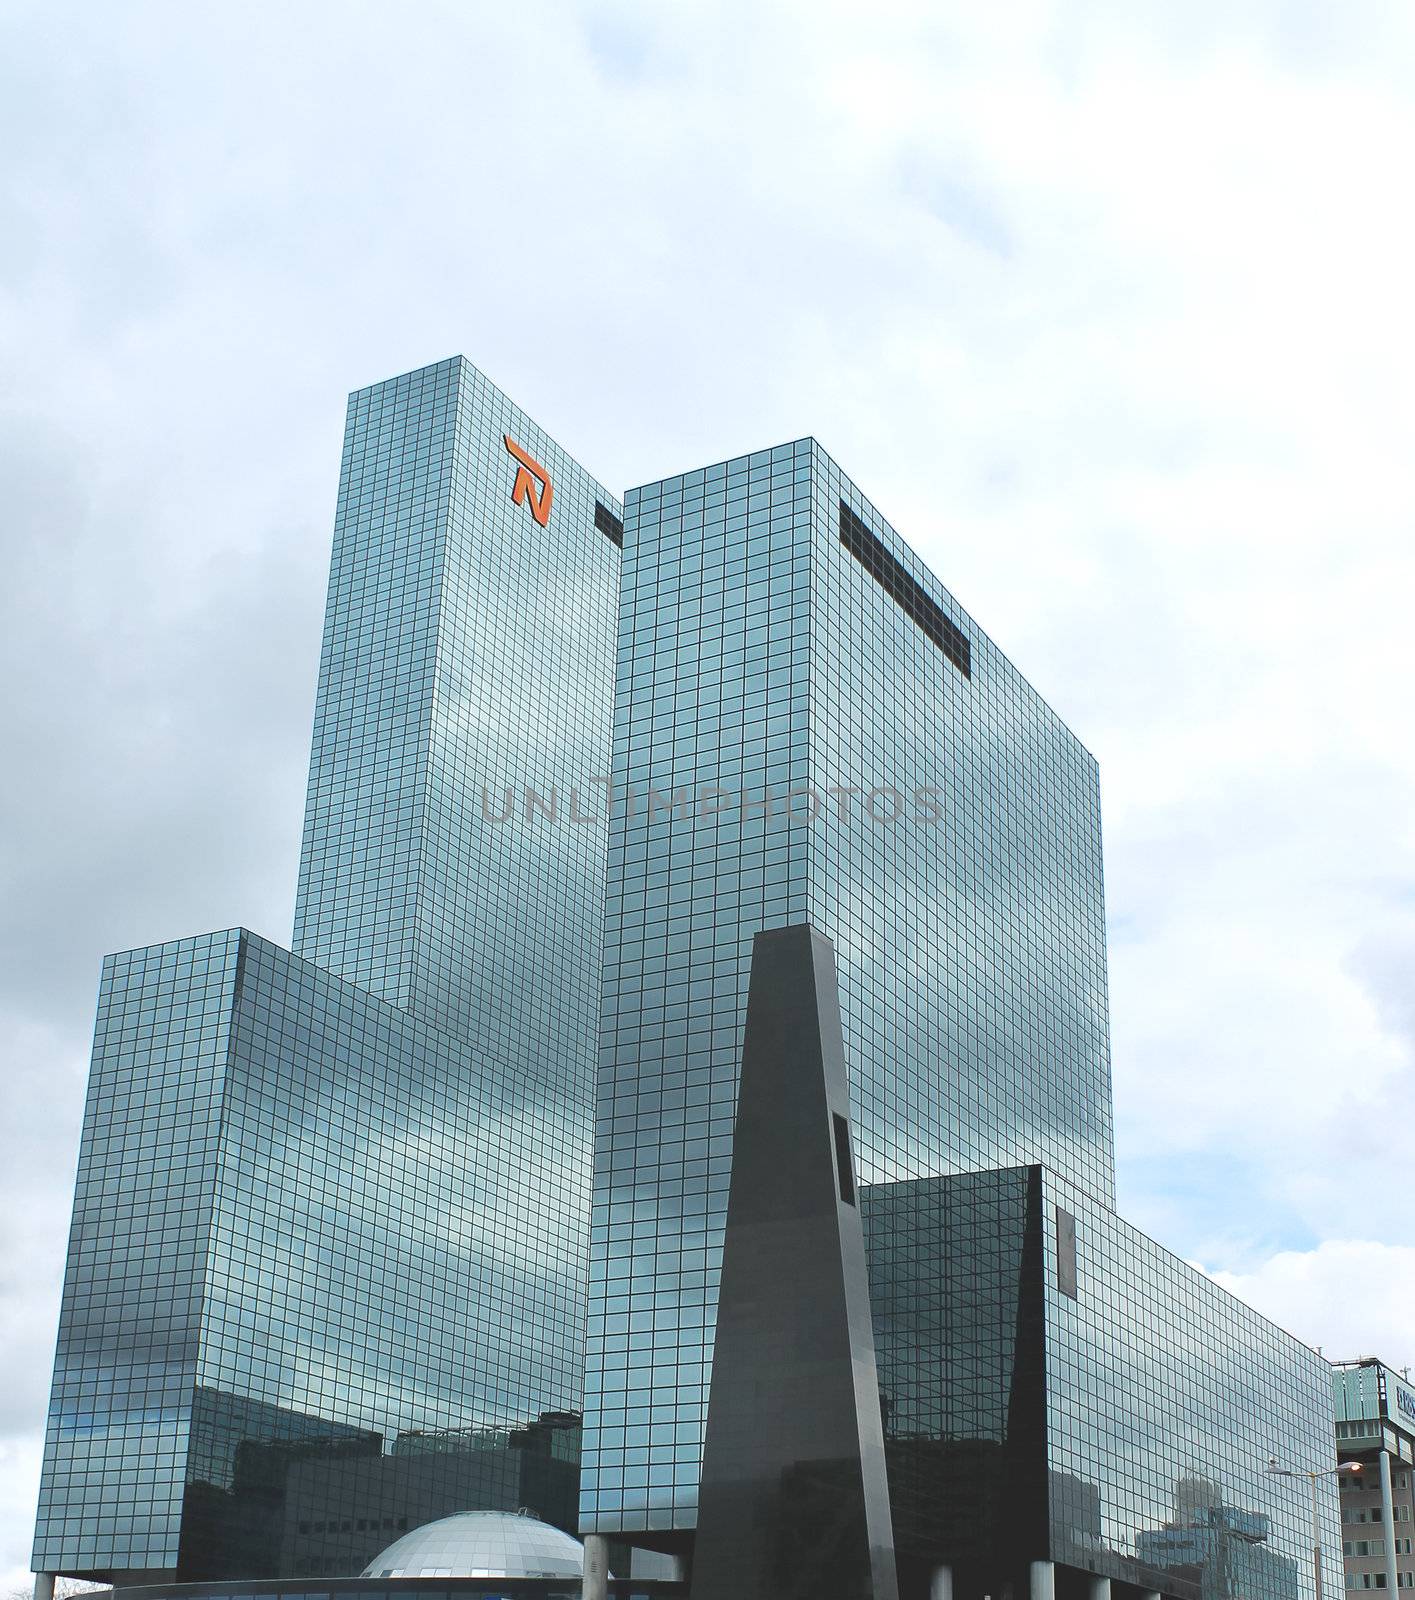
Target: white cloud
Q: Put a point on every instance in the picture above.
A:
(19, 1486)
(1353, 1297)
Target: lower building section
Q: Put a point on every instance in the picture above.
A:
(1057, 1388)
(325, 1279)
(488, 1588)
(1069, 1411)
(312, 1502)
(794, 1503)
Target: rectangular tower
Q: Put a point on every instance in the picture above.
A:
(467, 653)
(809, 728)
(326, 1273)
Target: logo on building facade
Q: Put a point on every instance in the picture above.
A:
(532, 486)
(1405, 1403)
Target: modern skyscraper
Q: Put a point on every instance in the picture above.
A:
(809, 728)
(810, 732)
(327, 1278)
(326, 1274)
(468, 655)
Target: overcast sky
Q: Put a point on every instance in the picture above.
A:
(1106, 306)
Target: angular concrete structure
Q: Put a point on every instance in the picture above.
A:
(794, 1495)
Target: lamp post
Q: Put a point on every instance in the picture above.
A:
(1311, 1477)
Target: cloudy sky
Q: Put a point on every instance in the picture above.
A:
(1108, 306)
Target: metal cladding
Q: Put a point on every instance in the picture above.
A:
(794, 1500)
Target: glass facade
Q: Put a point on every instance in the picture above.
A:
(808, 728)
(405, 1589)
(1056, 1386)
(334, 1247)
(468, 659)
(326, 1273)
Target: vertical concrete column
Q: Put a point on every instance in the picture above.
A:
(596, 1584)
(941, 1584)
(1042, 1584)
(794, 1279)
(1100, 1589)
(1152, 1594)
(1388, 1523)
(44, 1586)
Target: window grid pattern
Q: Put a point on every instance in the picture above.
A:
(1170, 1394)
(468, 654)
(1151, 1400)
(115, 1452)
(759, 659)
(971, 949)
(381, 1158)
(712, 693)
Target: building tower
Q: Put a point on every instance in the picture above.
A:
(810, 732)
(325, 1278)
(327, 1274)
(808, 728)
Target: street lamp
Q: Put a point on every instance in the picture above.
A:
(1311, 1477)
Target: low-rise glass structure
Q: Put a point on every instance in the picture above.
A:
(405, 1589)
(477, 1555)
(1059, 1388)
(481, 1544)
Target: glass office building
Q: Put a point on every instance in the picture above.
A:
(336, 1269)
(326, 1273)
(809, 728)
(1058, 1388)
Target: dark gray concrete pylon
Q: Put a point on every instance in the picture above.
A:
(794, 1499)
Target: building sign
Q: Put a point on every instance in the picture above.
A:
(1404, 1404)
(532, 485)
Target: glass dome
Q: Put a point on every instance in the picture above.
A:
(481, 1544)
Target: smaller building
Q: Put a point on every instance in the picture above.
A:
(1059, 1389)
(257, 1214)
(1375, 1427)
(482, 1544)
(471, 1555)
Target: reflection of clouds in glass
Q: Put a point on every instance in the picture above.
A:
(979, 952)
(1163, 1395)
(422, 1169)
(757, 652)
(1172, 1383)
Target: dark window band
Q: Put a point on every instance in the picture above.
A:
(907, 594)
(608, 523)
(1066, 1253)
(844, 1167)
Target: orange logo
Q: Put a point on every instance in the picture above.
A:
(532, 485)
